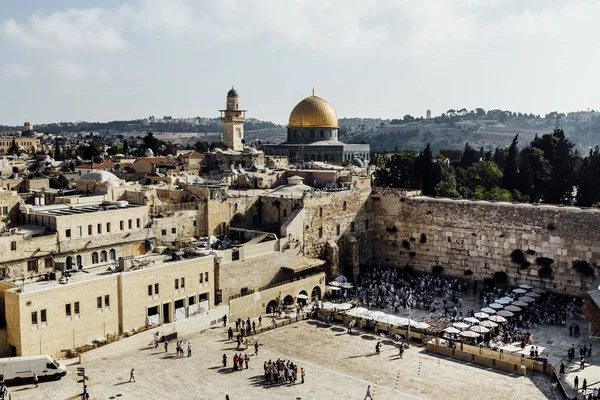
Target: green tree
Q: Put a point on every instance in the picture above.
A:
(511, 167)
(447, 188)
(90, 150)
(485, 174)
(125, 147)
(58, 156)
(469, 156)
(588, 179)
(201, 146)
(399, 170)
(151, 142)
(534, 174)
(14, 149)
(59, 182)
(114, 149)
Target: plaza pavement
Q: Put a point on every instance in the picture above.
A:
(338, 366)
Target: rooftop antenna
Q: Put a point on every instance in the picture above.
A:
(313, 91)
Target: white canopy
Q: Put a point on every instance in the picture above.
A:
(526, 299)
(344, 306)
(504, 313)
(519, 303)
(503, 301)
(452, 330)
(532, 294)
(498, 318)
(469, 334)
(513, 308)
(496, 306)
(357, 312)
(489, 324)
(479, 329)
(302, 296)
(460, 325)
(374, 314)
(336, 283)
(471, 320)
(520, 291)
(481, 315)
(525, 286)
(488, 310)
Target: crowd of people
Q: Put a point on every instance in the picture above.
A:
(281, 372)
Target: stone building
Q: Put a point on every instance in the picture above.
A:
(312, 135)
(25, 143)
(232, 118)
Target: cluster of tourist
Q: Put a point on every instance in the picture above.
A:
(282, 372)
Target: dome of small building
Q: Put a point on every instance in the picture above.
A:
(217, 150)
(250, 150)
(232, 93)
(149, 153)
(358, 163)
(313, 112)
(98, 176)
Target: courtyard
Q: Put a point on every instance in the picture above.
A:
(338, 366)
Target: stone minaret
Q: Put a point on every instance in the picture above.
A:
(233, 122)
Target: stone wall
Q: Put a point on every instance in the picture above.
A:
(480, 236)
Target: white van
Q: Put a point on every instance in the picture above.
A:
(17, 369)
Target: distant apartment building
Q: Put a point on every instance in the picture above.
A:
(26, 144)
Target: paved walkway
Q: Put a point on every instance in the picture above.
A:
(338, 366)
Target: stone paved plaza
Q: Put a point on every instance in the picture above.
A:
(338, 366)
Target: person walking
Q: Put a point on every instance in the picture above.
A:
(35, 379)
(132, 375)
(582, 364)
(189, 349)
(584, 386)
(230, 333)
(401, 350)
(576, 383)
(256, 348)
(224, 360)
(3, 391)
(224, 321)
(302, 373)
(246, 359)
(166, 345)
(260, 320)
(368, 394)
(273, 322)
(156, 338)
(562, 369)
(378, 347)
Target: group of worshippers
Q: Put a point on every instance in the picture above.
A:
(239, 361)
(281, 372)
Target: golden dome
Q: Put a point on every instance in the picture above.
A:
(313, 112)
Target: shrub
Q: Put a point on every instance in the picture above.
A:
(531, 252)
(518, 257)
(468, 272)
(393, 229)
(544, 261)
(437, 269)
(405, 244)
(551, 227)
(583, 267)
(423, 239)
(501, 277)
(412, 239)
(412, 254)
(545, 272)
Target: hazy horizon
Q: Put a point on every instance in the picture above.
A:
(118, 60)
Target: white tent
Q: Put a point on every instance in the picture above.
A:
(481, 315)
(460, 325)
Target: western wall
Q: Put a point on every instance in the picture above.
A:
(536, 244)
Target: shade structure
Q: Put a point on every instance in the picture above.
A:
(334, 283)
(503, 301)
(539, 290)
(519, 303)
(471, 320)
(302, 296)
(400, 321)
(498, 319)
(532, 294)
(489, 324)
(346, 285)
(357, 312)
(481, 315)
(334, 288)
(469, 334)
(343, 306)
(520, 291)
(479, 329)
(526, 286)
(374, 314)
(387, 318)
(412, 323)
(460, 325)
(512, 308)
(328, 306)
(504, 313)
(452, 330)
(509, 299)
(526, 299)
(496, 306)
(488, 310)
(420, 325)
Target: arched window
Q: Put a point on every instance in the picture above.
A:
(69, 262)
(79, 262)
(103, 257)
(344, 206)
(112, 255)
(95, 257)
(320, 211)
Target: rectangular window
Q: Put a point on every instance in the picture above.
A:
(99, 302)
(149, 290)
(206, 277)
(43, 316)
(138, 222)
(182, 283)
(76, 308)
(79, 231)
(13, 245)
(122, 225)
(201, 278)
(156, 288)
(195, 223)
(34, 318)
(90, 230)
(352, 226)
(68, 233)
(5, 210)
(48, 263)
(163, 232)
(108, 227)
(2, 273)
(130, 224)
(337, 230)
(99, 228)
(106, 301)
(32, 266)
(68, 310)
(320, 232)
(173, 230)
(176, 284)
(192, 300)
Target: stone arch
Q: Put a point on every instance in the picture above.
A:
(302, 301)
(103, 256)
(315, 293)
(112, 255)
(344, 206)
(272, 307)
(69, 262)
(95, 257)
(79, 262)
(288, 300)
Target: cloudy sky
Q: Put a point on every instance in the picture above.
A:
(122, 59)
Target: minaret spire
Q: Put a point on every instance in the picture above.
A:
(313, 90)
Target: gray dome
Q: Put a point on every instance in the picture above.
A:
(232, 93)
(358, 162)
(98, 176)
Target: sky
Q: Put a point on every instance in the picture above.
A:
(70, 60)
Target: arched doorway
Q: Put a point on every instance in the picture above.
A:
(112, 255)
(69, 262)
(79, 262)
(302, 298)
(103, 257)
(315, 294)
(272, 307)
(288, 302)
(95, 257)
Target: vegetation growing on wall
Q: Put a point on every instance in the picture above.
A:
(437, 269)
(423, 239)
(545, 272)
(501, 277)
(583, 267)
(544, 261)
(405, 244)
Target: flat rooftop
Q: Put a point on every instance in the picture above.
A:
(74, 209)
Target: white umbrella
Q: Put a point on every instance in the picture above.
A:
(481, 315)
(489, 324)
(498, 319)
(525, 286)
(526, 299)
(336, 283)
(479, 329)
(488, 310)
(334, 288)
(519, 303)
(451, 330)
(509, 299)
(469, 334)
(357, 312)
(496, 306)
(504, 313)
(302, 296)
(503, 301)
(346, 285)
(472, 320)
(520, 291)
(513, 308)
(460, 325)
(532, 294)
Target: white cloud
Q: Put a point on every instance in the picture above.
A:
(15, 71)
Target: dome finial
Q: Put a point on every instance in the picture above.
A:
(313, 90)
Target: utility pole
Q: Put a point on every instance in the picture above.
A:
(81, 373)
